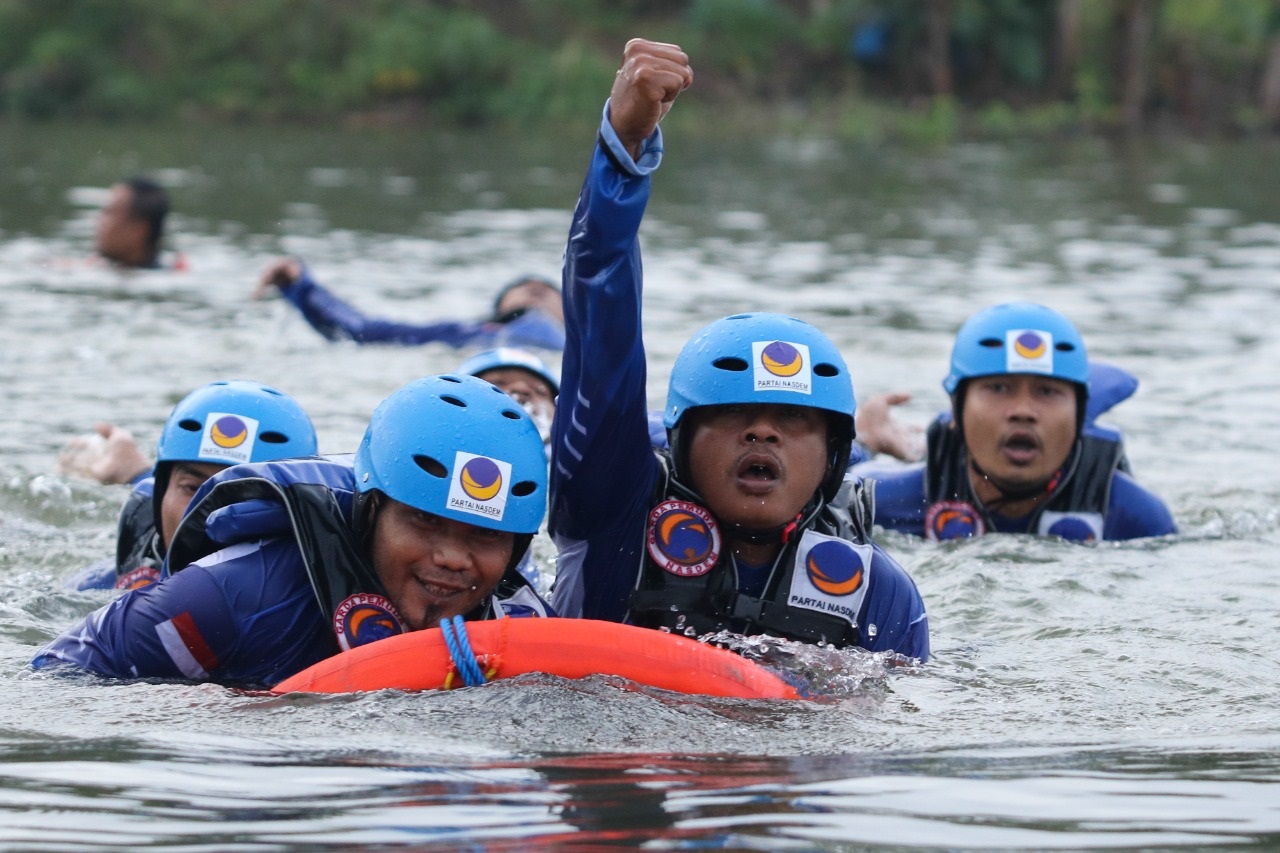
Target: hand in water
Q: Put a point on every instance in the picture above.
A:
(881, 433)
(109, 455)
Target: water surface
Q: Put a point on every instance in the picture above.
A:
(1110, 696)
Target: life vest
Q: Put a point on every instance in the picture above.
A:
(1076, 509)
(138, 548)
(311, 500)
(816, 587)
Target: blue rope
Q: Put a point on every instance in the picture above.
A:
(460, 651)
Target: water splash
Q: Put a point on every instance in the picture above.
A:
(819, 671)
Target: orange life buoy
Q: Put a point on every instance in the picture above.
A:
(572, 648)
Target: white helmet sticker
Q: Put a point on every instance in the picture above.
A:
(782, 366)
(1029, 351)
(228, 438)
(479, 485)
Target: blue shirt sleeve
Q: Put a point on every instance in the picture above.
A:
(900, 496)
(895, 618)
(97, 575)
(1135, 513)
(337, 320)
(245, 615)
(602, 464)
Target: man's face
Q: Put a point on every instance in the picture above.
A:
(532, 294)
(184, 480)
(757, 465)
(529, 390)
(1019, 428)
(435, 568)
(121, 237)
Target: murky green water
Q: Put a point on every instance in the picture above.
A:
(1119, 696)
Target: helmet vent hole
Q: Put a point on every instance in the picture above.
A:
(825, 369)
(190, 425)
(994, 343)
(434, 467)
(733, 363)
(454, 401)
(274, 438)
(1064, 346)
(511, 414)
(524, 488)
(452, 379)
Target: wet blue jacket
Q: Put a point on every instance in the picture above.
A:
(336, 320)
(247, 614)
(603, 467)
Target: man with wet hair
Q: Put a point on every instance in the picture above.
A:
(744, 524)
(1019, 452)
(526, 313)
(131, 224)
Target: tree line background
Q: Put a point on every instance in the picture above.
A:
(924, 68)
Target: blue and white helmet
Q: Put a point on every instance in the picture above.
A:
(764, 358)
(502, 357)
(457, 447)
(1018, 337)
(235, 421)
(230, 422)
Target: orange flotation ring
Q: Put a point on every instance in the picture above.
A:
(572, 648)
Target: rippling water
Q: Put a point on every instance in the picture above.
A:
(1117, 696)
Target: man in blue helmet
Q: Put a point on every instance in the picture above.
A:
(522, 375)
(1019, 452)
(279, 565)
(220, 424)
(526, 313)
(743, 524)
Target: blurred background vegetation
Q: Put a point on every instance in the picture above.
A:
(932, 69)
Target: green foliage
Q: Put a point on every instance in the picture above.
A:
(743, 37)
(570, 87)
(534, 61)
(937, 125)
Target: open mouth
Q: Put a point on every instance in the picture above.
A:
(1020, 447)
(758, 471)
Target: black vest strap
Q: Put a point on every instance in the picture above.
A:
(1085, 485)
(335, 563)
(712, 601)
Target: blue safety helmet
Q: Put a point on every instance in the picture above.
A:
(457, 447)
(1018, 337)
(1013, 338)
(253, 423)
(763, 358)
(230, 422)
(502, 357)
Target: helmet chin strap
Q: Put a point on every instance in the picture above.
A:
(779, 535)
(1011, 494)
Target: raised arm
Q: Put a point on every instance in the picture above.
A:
(602, 465)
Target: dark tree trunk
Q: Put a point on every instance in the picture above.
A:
(938, 46)
(1135, 24)
(1066, 50)
(1271, 84)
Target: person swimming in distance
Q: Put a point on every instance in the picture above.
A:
(526, 313)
